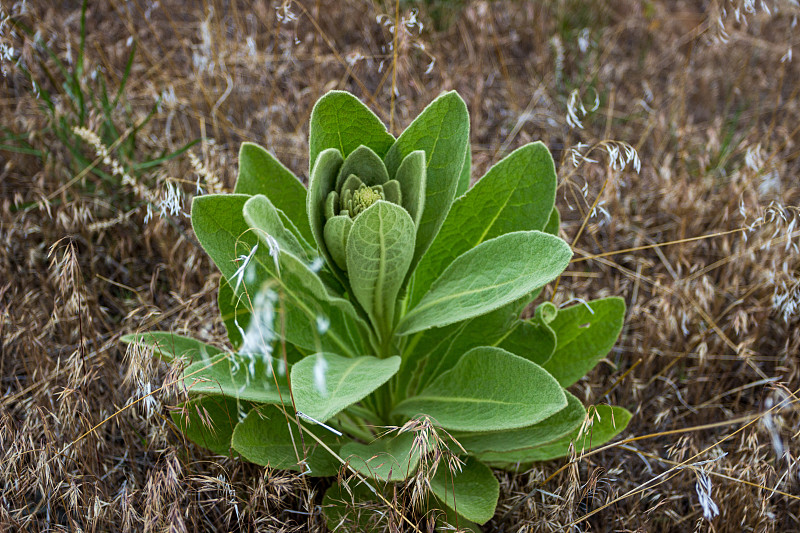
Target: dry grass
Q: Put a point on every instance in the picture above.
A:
(708, 360)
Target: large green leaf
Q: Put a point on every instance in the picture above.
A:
(608, 423)
(442, 132)
(325, 384)
(339, 120)
(379, 251)
(516, 194)
(261, 173)
(390, 458)
(308, 305)
(549, 429)
(169, 346)
(494, 273)
(411, 177)
(530, 339)
(585, 334)
(264, 437)
(321, 183)
(265, 219)
(336, 233)
(489, 389)
(209, 421)
(305, 301)
(472, 493)
(436, 350)
(220, 227)
(255, 378)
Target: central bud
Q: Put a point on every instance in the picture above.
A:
(359, 182)
(364, 197)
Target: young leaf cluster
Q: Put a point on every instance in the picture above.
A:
(389, 291)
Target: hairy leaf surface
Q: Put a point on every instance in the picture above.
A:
(557, 425)
(412, 179)
(516, 194)
(466, 173)
(254, 378)
(264, 438)
(608, 423)
(322, 182)
(339, 120)
(169, 346)
(530, 339)
(379, 251)
(585, 333)
(261, 173)
(265, 219)
(223, 414)
(494, 273)
(232, 310)
(489, 389)
(442, 132)
(220, 226)
(472, 493)
(324, 384)
(389, 458)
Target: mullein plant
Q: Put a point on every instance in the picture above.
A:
(386, 299)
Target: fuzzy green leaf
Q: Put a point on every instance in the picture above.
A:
(261, 173)
(584, 337)
(234, 308)
(436, 350)
(489, 389)
(220, 226)
(223, 413)
(549, 429)
(379, 250)
(364, 163)
(516, 194)
(252, 378)
(472, 493)
(532, 340)
(390, 458)
(339, 120)
(608, 423)
(412, 179)
(265, 219)
(321, 183)
(307, 304)
(494, 273)
(325, 384)
(263, 437)
(168, 346)
(442, 132)
(336, 233)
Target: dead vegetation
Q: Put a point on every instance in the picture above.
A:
(702, 242)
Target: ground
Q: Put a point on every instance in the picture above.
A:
(675, 129)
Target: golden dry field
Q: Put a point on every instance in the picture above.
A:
(675, 128)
